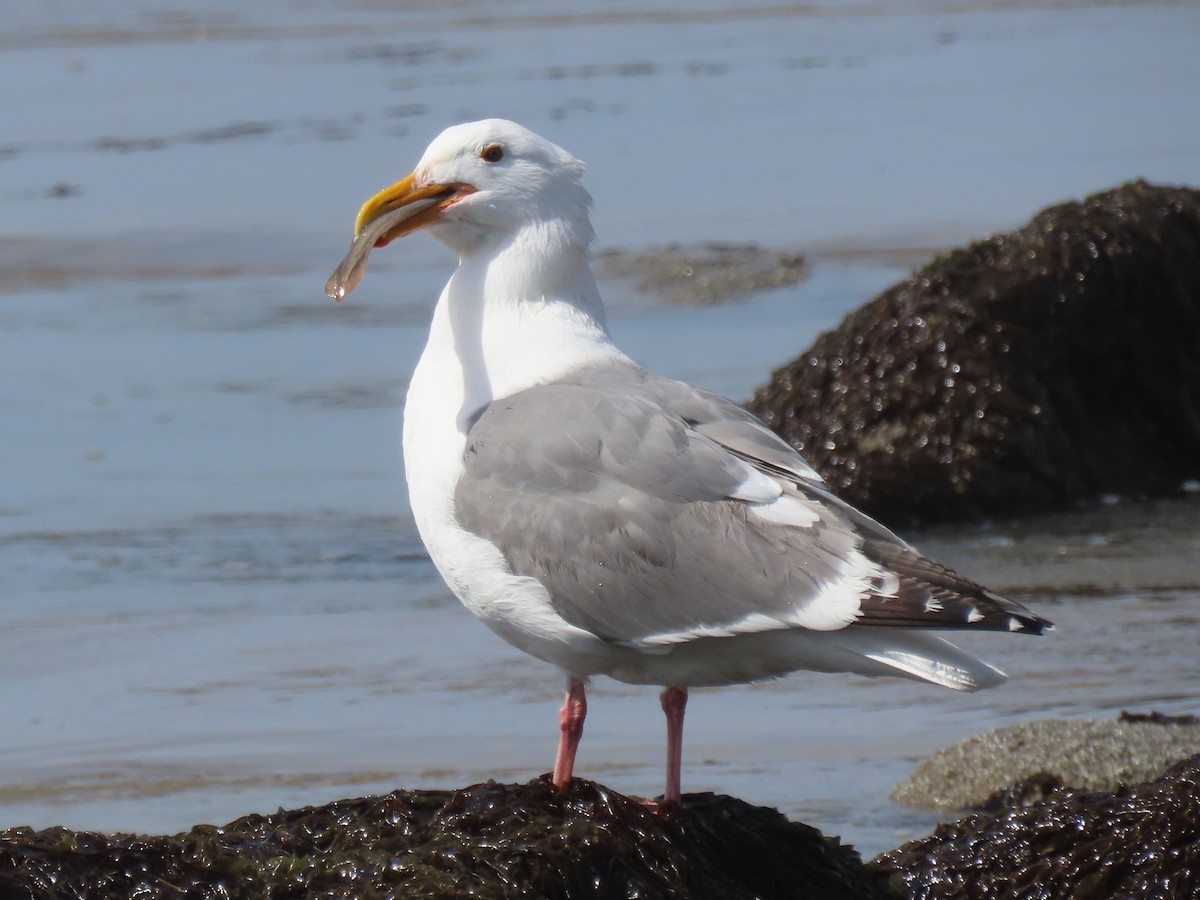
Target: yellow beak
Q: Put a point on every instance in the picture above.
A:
(401, 194)
(394, 212)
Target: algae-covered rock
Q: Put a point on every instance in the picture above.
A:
(704, 275)
(1028, 371)
(1136, 842)
(486, 841)
(1088, 754)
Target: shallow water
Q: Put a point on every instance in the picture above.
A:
(214, 600)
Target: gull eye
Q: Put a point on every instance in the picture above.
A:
(493, 153)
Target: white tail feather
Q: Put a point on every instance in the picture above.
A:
(921, 656)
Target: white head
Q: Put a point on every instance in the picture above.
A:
(486, 181)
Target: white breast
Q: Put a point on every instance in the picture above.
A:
(441, 398)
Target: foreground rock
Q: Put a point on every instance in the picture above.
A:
(487, 841)
(1039, 839)
(1027, 371)
(1136, 842)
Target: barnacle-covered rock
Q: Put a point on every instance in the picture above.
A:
(1089, 754)
(1028, 371)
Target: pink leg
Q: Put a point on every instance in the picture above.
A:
(674, 701)
(570, 720)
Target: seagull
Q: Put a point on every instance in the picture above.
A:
(610, 521)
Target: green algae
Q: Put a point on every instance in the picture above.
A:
(1086, 754)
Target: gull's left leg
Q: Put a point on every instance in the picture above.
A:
(570, 721)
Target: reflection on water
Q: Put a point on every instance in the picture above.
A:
(214, 598)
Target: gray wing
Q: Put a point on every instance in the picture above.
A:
(734, 428)
(928, 595)
(624, 495)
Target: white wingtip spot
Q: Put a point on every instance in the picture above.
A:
(933, 605)
(973, 615)
(1014, 624)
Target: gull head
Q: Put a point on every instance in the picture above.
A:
(477, 184)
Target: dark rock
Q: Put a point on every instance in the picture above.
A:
(1026, 792)
(485, 841)
(1156, 718)
(1136, 842)
(1028, 371)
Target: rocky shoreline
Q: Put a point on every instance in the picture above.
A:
(1137, 841)
(484, 841)
(1039, 838)
(1030, 370)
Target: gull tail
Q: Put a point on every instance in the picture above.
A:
(915, 654)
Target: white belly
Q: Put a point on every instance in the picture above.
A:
(515, 607)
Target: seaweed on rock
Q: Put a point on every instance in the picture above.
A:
(1028, 371)
(1138, 842)
(490, 840)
